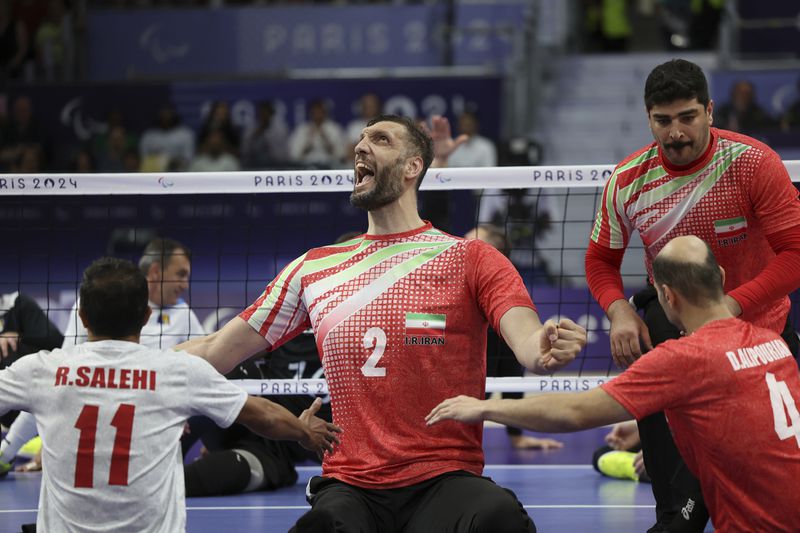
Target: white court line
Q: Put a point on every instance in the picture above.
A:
(296, 507)
(302, 507)
(493, 467)
(589, 506)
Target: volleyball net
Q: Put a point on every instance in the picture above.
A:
(243, 227)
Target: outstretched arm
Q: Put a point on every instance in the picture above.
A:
(274, 421)
(550, 412)
(228, 347)
(541, 348)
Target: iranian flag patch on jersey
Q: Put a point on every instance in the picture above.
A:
(730, 227)
(730, 230)
(427, 325)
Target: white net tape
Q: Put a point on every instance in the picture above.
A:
(581, 176)
(523, 384)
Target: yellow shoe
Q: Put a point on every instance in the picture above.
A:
(30, 448)
(618, 464)
(5, 467)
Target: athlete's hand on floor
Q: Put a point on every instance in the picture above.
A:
(624, 436)
(638, 465)
(527, 442)
(34, 465)
(322, 435)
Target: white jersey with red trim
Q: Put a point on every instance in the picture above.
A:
(111, 414)
(400, 323)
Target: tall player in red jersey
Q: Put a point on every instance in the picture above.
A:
(400, 317)
(730, 390)
(731, 191)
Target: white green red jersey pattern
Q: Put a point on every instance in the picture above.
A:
(732, 198)
(400, 323)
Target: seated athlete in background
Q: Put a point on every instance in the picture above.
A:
(121, 411)
(729, 388)
(238, 460)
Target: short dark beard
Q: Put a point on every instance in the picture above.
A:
(387, 188)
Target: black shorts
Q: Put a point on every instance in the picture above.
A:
(453, 502)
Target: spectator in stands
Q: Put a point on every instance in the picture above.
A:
(101, 133)
(215, 155)
(118, 144)
(320, 142)
(742, 113)
(500, 359)
(477, 150)
(30, 160)
(168, 145)
(369, 107)
(266, 144)
(791, 119)
(131, 160)
(83, 161)
(14, 43)
(609, 24)
(219, 119)
(704, 24)
(55, 43)
(19, 130)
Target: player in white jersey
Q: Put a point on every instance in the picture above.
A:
(116, 410)
(400, 317)
(166, 264)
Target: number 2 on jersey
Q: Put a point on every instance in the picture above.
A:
(120, 456)
(783, 407)
(375, 340)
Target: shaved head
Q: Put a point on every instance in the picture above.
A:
(688, 266)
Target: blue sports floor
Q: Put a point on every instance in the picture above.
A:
(558, 488)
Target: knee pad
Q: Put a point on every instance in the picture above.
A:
(217, 474)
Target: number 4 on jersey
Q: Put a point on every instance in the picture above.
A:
(784, 410)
